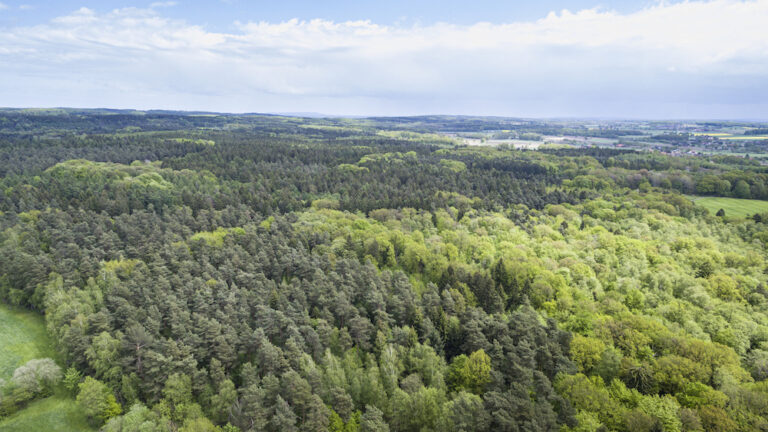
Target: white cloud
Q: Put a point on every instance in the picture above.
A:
(667, 59)
(162, 4)
(3, 6)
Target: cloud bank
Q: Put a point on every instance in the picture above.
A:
(692, 59)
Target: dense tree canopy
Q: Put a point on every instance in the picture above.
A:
(263, 274)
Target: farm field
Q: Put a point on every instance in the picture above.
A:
(732, 206)
(732, 136)
(745, 138)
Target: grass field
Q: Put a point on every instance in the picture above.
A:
(730, 136)
(745, 137)
(57, 413)
(733, 207)
(22, 337)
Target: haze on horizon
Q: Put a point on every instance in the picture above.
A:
(616, 59)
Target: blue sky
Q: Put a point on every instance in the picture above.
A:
(698, 59)
(220, 15)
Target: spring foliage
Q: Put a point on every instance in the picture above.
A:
(291, 278)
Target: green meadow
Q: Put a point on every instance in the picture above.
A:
(734, 207)
(57, 413)
(22, 338)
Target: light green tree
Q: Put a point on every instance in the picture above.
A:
(97, 401)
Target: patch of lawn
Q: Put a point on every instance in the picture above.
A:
(734, 207)
(23, 337)
(745, 138)
(58, 413)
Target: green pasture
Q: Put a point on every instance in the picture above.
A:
(22, 338)
(745, 138)
(734, 207)
(56, 413)
(732, 136)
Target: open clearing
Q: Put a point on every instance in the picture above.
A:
(732, 206)
(745, 138)
(22, 338)
(732, 136)
(57, 413)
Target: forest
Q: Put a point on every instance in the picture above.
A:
(200, 272)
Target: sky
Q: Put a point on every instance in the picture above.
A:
(610, 59)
